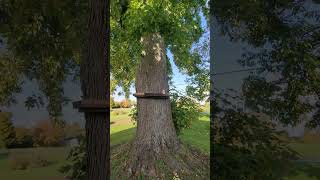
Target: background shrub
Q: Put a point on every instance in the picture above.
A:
(112, 102)
(311, 137)
(125, 103)
(46, 134)
(7, 133)
(23, 138)
(75, 169)
(73, 130)
(115, 105)
(184, 111)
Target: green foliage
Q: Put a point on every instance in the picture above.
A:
(115, 105)
(285, 35)
(23, 138)
(242, 138)
(112, 102)
(184, 111)
(7, 133)
(9, 79)
(246, 147)
(179, 23)
(43, 37)
(134, 114)
(46, 134)
(75, 169)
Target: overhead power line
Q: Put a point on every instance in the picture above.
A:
(235, 71)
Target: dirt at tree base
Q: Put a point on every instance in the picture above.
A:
(185, 163)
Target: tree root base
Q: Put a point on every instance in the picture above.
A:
(185, 163)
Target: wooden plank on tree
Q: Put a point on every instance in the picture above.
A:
(92, 106)
(151, 95)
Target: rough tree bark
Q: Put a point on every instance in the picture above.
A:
(94, 74)
(155, 129)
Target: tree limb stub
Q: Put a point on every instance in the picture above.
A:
(151, 95)
(98, 106)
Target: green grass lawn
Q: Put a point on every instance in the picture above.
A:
(123, 130)
(310, 151)
(198, 135)
(56, 156)
(306, 171)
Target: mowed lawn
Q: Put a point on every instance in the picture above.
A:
(123, 130)
(309, 167)
(309, 151)
(55, 156)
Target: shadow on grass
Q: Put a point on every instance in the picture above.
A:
(4, 155)
(122, 136)
(196, 136)
(310, 170)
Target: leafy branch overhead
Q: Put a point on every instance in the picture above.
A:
(284, 38)
(44, 37)
(179, 23)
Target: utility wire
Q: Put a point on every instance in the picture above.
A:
(235, 71)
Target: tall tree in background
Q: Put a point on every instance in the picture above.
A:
(142, 32)
(7, 132)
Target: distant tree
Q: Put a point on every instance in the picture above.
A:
(73, 130)
(125, 103)
(46, 134)
(112, 102)
(23, 138)
(7, 133)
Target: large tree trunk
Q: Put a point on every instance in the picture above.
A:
(155, 129)
(95, 82)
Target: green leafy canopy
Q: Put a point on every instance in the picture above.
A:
(178, 22)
